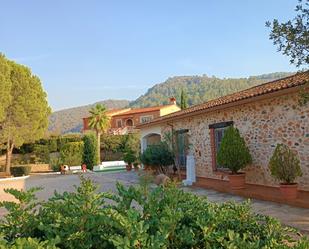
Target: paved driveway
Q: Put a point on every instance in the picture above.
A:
(292, 216)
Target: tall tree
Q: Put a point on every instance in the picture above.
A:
(183, 99)
(5, 86)
(292, 37)
(26, 115)
(99, 121)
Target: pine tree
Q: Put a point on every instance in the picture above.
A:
(25, 117)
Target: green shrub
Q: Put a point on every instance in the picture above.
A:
(72, 153)
(20, 170)
(90, 155)
(158, 156)
(129, 157)
(233, 152)
(167, 218)
(284, 164)
(63, 140)
(52, 145)
(120, 143)
(55, 163)
(42, 153)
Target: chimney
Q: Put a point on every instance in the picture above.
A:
(173, 101)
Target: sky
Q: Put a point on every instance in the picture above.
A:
(87, 51)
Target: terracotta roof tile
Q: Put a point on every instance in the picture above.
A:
(269, 87)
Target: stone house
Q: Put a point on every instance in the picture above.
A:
(265, 115)
(124, 121)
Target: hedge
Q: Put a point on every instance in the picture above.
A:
(20, 170)
(72, 153)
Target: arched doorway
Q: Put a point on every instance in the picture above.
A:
(150, 139)
(129, 122)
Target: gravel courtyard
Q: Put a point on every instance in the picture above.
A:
(292, 216)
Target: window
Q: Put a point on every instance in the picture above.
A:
(119, 123)
(216, 135)
(146, 119)
(182, 147)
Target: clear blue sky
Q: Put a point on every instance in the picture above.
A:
(85, 51)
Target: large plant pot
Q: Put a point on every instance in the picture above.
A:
(289, 191)
(237, 181)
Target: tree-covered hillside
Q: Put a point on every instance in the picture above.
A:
(70, 120)
(199, 88)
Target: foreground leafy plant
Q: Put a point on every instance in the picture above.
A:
(138, 218)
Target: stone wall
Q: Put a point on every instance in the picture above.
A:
(43, 167)
(263, 124)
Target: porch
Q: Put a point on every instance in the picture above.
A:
(260, 192)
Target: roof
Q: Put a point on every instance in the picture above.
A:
(142, 110)
(295, 80)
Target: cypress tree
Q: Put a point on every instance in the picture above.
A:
(183, 100)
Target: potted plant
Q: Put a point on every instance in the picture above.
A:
(284, 166)
(158, 157)
(136, 166)
(129, 158)
(234, 155)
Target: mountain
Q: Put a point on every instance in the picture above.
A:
(70, 120)
(200, 88)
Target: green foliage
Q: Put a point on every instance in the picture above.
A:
(183, 99)
(291, 37)
(72, 153)
(55, 163)
(42, 153)
(160, 156)
(129, 157)
(284, 164)
(21, 221)
(23, 170)
(164, 217)
(90, 155)
(99, 120)
(114, 146)
(233, 152)
(63, 140)
(5, 86)
(26, 115)
(28, 243)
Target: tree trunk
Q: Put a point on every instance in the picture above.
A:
(8, 159)
(99, 146)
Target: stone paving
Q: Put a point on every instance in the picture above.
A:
(291, 216)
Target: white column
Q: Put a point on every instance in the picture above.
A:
(190, 169)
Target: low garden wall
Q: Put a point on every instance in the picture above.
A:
(43, 167)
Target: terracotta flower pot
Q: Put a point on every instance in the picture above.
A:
(237, 181)
(289, 191)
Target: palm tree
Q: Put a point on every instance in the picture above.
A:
(99, 121)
